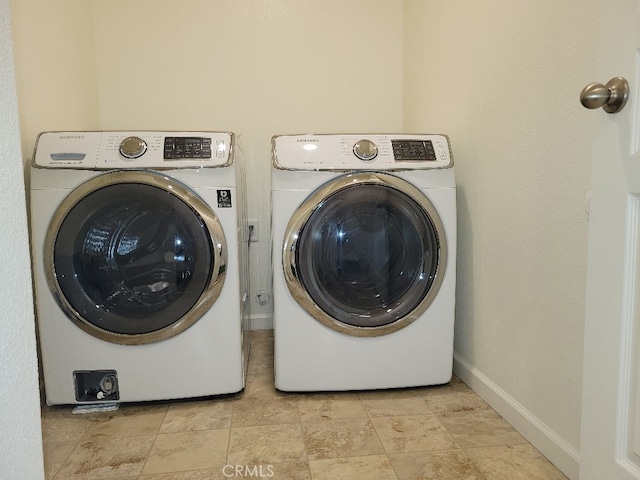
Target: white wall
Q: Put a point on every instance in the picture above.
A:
(21, 439)
(503, 78)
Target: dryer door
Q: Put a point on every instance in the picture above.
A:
(135, 257)
(365, 254)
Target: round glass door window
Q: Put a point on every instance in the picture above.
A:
(365, 254)
(135, 257)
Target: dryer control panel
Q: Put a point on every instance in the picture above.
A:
(133, 149)
(361, 152)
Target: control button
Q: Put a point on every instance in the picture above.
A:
(365, 150)
(133, 147)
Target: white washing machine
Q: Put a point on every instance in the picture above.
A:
(140, 266)
(364, 255)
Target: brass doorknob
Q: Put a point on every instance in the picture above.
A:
(612, 97)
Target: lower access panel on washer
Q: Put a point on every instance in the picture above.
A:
(96, 386)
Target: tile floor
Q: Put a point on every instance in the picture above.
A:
(444, 432)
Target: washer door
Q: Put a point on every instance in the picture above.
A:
(365, 254)
(135, 257)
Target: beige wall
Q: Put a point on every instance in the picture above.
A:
(502, 78)
(55, 67)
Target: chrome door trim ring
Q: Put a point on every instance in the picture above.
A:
(179, 190)
(302, 214)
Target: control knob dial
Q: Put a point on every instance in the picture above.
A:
(365, 150)
(133, 147)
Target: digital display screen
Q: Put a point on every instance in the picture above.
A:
(176, 148)
(413, 150)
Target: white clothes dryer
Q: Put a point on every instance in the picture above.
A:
(140, 266)
(364, 255)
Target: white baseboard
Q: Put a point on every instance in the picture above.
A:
(549, 443)
(262, 322)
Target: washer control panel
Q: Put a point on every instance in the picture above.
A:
(187, 147)
(414, 150)
(359, 152)
(140, 149)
